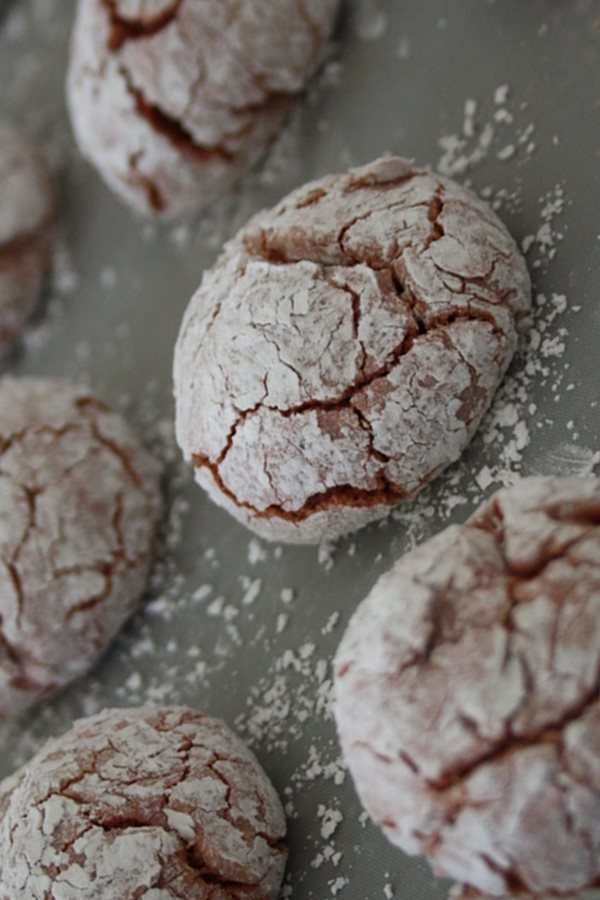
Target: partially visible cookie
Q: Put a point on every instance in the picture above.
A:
(174, 100)
(27, 220)
(345, 347)
(467, 695)
(155, 804)
(79, 502)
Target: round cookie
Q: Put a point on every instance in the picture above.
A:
(344, 348)
(79, 502)
(27, 219)
(174, 101)
(467, 695)
(160, 804)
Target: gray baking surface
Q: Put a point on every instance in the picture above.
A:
(505, 95)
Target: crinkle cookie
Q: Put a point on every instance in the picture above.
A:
(27, 220)
(467, 695)
(344, 348)
(142, 804)
(174, 101)
(79, 502)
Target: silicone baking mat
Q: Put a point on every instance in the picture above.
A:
(504, 95)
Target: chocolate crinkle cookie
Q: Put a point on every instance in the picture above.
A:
(79, 502)
(467, 695)
(172, 100)
(27, 224)
(142, 804)
(344, 348)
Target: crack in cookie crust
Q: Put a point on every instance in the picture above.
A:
(468, 695)
(125, 28)
(135, 800)
(81, 497)
(344, 348)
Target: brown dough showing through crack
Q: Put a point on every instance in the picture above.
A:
(173, 100)
(344, 348)
(141, 803)
(79, 502)
(27, 225)
(467, 695)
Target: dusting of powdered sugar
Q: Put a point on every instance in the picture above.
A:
(500, 128)
(165, 801)
(497, 130)
(195, 641)
(466, 693)
(79, 503)
(170, 138)
(336, 302)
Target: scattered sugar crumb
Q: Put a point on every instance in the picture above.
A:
(403, 48)
(331, 622)
(216, 607)
(251, 588)
(134, 682)
(256, 552)
(507, 152)
(370, 22)
(326, 555)
(201, 593)
(338, 884)
(108, 278)
(330, 819)
(484, 130)
(469, 120)
(501, 94)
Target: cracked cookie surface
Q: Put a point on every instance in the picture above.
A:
(467, 695)
(27, 220)
(142, 804)
(344, 348)
(174, 101)
(79, 503)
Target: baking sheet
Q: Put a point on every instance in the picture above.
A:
(504, 95)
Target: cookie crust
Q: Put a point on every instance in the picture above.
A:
(344, 348)
(142, 803)
(79, 503)
(174, 101)
(467, 695)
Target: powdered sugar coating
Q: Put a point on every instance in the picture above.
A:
(27, 214)
(152, 804)
(173, 101)
(467, 695)
(344, 348)
(79, 502)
